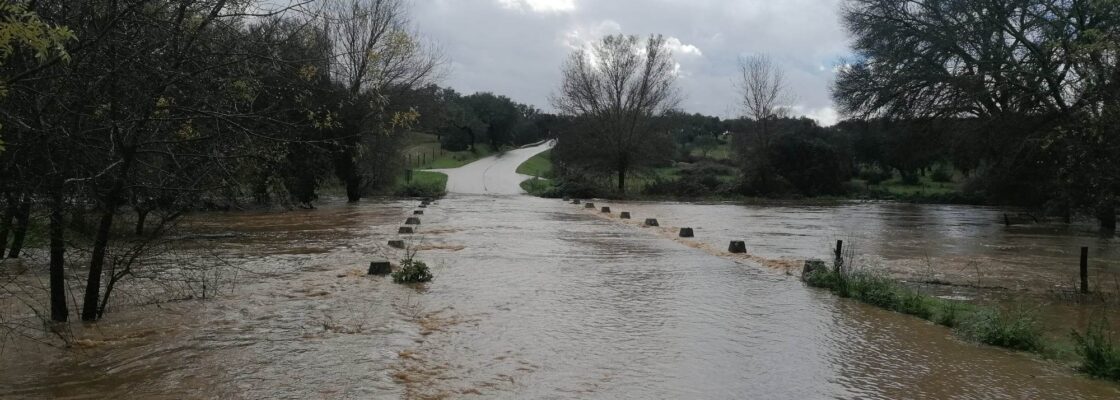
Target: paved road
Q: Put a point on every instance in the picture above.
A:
(496, 175)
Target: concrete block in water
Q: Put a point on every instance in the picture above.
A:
(589, 205)
(651, 222)
(686, 232)
(812, 266)
(380, 267)
(737, 246)
(396, 244)
(575, 201)
(406, 230)
(412, 221)
(566, 198)
(418, 212)
(624, 215)
(606, 209)
(423, 206)
(425, 203)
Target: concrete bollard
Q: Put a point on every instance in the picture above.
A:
(412, 221)
(651, 222)
(606, 209)
(406, 230)
(812, 266)
(687, 233)
(624, 215)
(589, 205)
(380, 267)
(396, 244)
(737, 246)
(575, 201)
(418, 212)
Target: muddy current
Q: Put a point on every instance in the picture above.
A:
(535, 298)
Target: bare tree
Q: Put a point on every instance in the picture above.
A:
(617, 88)
(765, 98)
(377, 55)
(763, 88)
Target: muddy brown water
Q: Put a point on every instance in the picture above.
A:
(533, 298)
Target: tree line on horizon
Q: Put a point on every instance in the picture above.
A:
(1019, 97)
(120, 117)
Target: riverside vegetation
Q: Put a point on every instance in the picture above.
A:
(1016, 328)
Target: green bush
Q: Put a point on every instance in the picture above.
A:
(1099, 357)
(942, 175)
(412, 271)
(1016, 329)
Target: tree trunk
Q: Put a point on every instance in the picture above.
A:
(141, 216)
(622, 167)
(353, 188)
(23, 220)
(59, 311)
(1107, 217)
(101, 242)
(6, 223)
(97, 263)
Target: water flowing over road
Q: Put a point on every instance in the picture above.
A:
(533, 298)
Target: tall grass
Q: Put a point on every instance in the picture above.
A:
(1099, 356)
(1016, 329)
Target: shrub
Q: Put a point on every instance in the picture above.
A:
(412, 271)
(1099, 358)
(874, 175)
(942, 175)
(1017, 329)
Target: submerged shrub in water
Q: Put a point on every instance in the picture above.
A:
(1099, 358)
(1017, 329)
(412, 271)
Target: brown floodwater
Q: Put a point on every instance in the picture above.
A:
(534, 298)
(958, 244)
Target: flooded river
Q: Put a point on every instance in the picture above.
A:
(535, 298)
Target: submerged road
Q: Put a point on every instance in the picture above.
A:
(532, 298)
(496, 175)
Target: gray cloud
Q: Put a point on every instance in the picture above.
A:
(515, 47)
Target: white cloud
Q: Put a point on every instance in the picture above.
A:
(540, 6)
(826, 116)
(681, 49)
(517, 47)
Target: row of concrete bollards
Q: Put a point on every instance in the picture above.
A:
(736, 246)
(383, 267)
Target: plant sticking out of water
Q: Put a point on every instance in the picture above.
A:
(1015, 329)
(889, 294)
(412, 271)
(1099, 356)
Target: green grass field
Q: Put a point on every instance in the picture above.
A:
(539, 165)
(422, 151)
(925, 186)
(422, 184)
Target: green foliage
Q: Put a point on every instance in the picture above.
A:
(412, 271)
(539, 165)
(541, 188)
(1017, 329)
(942, 174)
(1099, 356)
(423, 184)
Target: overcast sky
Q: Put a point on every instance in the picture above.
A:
(516, 47)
